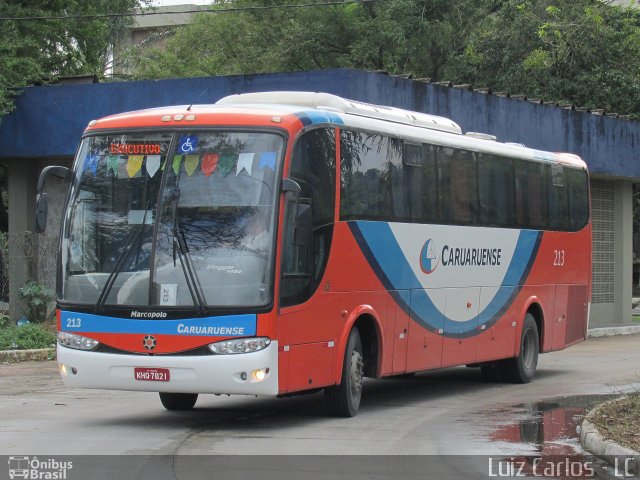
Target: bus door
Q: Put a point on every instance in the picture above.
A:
(309, 317)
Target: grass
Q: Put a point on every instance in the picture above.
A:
(619, 420)
(27, 337)
(636, 318)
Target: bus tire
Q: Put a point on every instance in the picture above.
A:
(178, 401)
(522, 368)
(343, 400)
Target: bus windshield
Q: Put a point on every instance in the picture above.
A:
(172, 219)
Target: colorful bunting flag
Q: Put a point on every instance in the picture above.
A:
(225, 164)
(176, 164)
(245, 162)
(153, 164)
(267, 160)
(209, 163)
(122, 167)
(112, 164)
(91, 163)
(134, 164)
(191, 163)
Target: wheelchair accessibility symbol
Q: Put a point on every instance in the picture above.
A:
(188, 144)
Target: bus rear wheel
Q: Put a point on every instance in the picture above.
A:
(178, 401)
(522, 368)
(343, 400)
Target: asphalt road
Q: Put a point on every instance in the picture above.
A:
(448, 413)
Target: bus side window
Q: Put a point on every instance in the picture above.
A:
(532, 198)
(313, 167)
(496, 190)
(578, 185)
(372, 177)
(420, 179)
(558, 200)
(458, 195)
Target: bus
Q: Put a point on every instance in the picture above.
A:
(279, 243)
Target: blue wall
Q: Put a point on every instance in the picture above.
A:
(48, 121)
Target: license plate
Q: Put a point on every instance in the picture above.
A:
(151, 374)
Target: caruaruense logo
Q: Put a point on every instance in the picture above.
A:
(428, 257)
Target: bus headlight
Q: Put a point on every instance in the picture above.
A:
(71, 340)
(242, 345)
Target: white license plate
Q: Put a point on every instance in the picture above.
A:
(151, 374)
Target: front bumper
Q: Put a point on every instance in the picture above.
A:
(188, 374)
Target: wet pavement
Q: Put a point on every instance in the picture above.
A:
(449, 415)
(547, 428)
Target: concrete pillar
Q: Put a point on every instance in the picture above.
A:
(22, 196)
(612, 202)
(623, 251)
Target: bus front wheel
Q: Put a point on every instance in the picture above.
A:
(522, 368)
(344, 399)
(178, 401)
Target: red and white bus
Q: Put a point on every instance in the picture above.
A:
(281, 242)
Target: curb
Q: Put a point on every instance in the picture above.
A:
(12, 356)
(609, 331)
(619, 461)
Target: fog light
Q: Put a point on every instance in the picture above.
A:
(63, 369)
(260, 374)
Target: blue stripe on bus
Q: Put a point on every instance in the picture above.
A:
(222, 326)
(392, 268)
(310, 117)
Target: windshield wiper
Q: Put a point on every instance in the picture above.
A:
(190, 275)
(132, 240)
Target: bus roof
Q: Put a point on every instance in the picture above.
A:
(288, 109)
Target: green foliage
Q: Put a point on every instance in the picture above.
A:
(39, 301)
(38, 50)
(25, 338)
(584, 51)
(401, 36)
(5, 321)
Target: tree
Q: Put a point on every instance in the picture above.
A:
(400, 36)
(584, 51)
(41, 40)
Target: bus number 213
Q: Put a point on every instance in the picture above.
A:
(74, 322)
(558, 260)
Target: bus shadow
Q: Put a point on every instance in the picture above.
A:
(215, 413)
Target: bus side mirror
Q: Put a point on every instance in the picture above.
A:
(303, 226)
(42, 209)
(42, 205)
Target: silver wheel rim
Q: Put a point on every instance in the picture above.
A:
(528, 350)
(356, 376)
